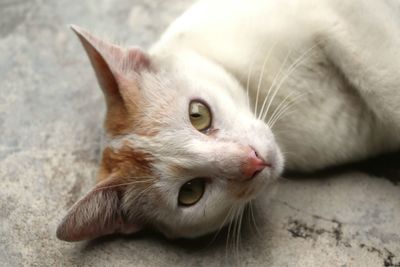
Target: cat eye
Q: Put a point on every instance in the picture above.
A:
(200, 115)
(191, 192)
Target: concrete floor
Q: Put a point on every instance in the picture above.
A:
(50, 122)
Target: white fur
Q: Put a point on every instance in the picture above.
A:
(350, 77)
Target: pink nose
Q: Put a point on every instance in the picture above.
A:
(252, 165)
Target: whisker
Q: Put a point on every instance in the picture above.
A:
(145, 190)
(284, 178)
(291, 69)
(261, 76)
(231, 221)
(281, 106)
(233, 232)
(293, 154)
(124, 184)
(253, 218)
(139, 195)
(285, 110)
(228, 215)
(235, 235)
(239, 230)
(249, 74)
(273, 82)
(288, 153)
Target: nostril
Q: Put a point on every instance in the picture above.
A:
(253, 153)
(252, 165)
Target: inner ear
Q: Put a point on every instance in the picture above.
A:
(96, 214)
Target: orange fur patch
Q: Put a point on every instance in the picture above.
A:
(117, 121)
(125, 164)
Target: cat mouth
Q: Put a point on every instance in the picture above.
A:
(254, 175)
(249, 188)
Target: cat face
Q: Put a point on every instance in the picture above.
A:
(183, 150)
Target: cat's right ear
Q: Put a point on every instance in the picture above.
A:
(97, 214)
(117, 70)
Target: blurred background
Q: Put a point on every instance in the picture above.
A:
(51, 113)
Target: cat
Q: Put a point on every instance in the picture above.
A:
(233, 93)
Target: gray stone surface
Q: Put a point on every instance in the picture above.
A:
(50, 122)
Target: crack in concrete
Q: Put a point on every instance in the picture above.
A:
(386, 255)
(315, 216)
(299, 229)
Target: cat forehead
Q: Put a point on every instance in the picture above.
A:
(209, 75)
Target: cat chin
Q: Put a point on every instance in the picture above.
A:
(191, 232)
(195, 233)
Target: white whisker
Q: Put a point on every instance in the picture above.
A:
(249, 74)
(144, 191)
(273, 83)
(127, 183)
(228, 215)
(252, 218)
(279, 107)
(235, 235)
(231, 221)
(239, 230)
(261, 76)
(284, 111)
(291, 69)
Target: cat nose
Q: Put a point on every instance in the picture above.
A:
(252, 165)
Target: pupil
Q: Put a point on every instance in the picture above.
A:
(196, 115)
(189, 191)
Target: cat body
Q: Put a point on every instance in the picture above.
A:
(204, 122)
(334, 64)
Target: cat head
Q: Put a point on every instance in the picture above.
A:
(183, 148)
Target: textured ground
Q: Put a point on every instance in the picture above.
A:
(50, 117)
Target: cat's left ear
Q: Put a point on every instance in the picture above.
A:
(112, 63)
(96, 214)
(118, 71)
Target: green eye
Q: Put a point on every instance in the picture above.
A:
(200, 115)
(191, 192)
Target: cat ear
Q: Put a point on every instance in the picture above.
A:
(117, 70)
(97, 214)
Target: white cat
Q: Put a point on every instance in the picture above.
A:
(198, 126)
